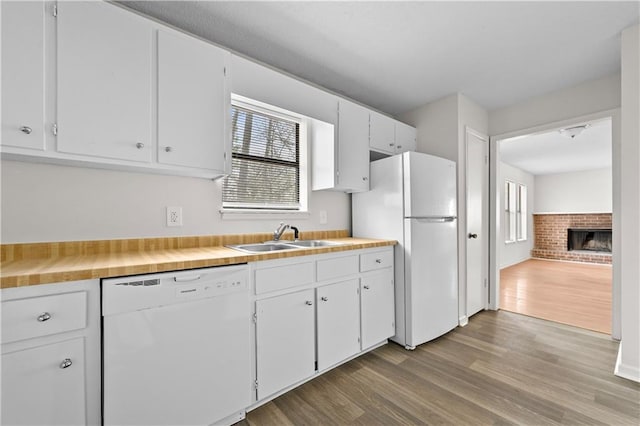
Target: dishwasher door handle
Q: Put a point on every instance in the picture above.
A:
(184, 279)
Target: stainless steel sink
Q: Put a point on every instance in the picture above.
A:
(261, 248)
(283, 245)
(312, 243)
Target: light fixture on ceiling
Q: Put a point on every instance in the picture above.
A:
(572, 132)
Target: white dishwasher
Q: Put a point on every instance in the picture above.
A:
(176, 347)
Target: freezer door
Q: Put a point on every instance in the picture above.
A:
(429, 186)
(431, 279)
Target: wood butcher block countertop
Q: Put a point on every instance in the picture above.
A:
(42, 263)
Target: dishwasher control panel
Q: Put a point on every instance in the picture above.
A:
(134, 293)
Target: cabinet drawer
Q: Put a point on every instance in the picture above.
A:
(377, 260)
(337, 267)
(41, 316)
(281, 277)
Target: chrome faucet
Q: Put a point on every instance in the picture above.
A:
(279, 231)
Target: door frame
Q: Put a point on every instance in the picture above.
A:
(495, 205)
(486, 221)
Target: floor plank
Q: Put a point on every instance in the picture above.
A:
(502, 368)
(572, 293)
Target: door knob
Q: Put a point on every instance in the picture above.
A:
(473, 235)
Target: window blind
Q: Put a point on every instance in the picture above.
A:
(265, 162)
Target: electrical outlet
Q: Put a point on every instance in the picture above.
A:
(323, 217)
(174, 216)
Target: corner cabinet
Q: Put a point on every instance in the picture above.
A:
(313, 313)
(341, 163)
(93, 84)
(51, 354)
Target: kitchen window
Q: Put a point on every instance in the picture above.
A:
(267, 171)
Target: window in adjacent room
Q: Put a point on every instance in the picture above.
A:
(509, 211)
(521, 214)
(266, 167)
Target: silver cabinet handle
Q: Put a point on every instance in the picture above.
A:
(391, 144)
(168, 149)
(378, 260)
(26, 130)
(399, 147)
(366, 287)
(324, 298)
(45, 316)
(66, 363)
(139, 145)
(308, 303)
(364, 178)
(473, 235)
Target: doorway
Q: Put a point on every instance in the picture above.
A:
(553, 187)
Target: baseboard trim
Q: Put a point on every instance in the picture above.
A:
(463, 320)
(626, 371)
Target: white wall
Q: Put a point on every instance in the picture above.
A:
(441, 128)
(586, 98)
(518, 251)
(588, 191)
(628, 364)
(43, 202)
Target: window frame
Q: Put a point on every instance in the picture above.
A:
(510, 231)
(249, 212)
(521, 212)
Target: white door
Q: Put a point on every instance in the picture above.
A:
(338, 322)
(353, 143)
(193, 102)
(382, 135)
(104, 81)
(45, 385)
(23, 74)
(429, 186)
(405, 138)
(377, 307)
(477, 221)
(285, 341)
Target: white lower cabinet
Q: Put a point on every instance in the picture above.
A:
(44, 385)
(51, 354)
(377, 314)
(338, 322)
(342, 306)
(285, 341)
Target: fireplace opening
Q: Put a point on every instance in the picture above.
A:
(598, 240)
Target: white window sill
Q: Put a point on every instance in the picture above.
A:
(240, 214)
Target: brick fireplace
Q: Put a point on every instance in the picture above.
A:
(551, 233)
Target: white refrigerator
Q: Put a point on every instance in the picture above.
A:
(413, 200)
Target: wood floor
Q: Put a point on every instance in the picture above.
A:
(502, 368)
(577, 294)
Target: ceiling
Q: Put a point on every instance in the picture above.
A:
(552, 152)
(395, 56)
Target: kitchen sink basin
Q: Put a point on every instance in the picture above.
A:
(284, 245)
(261, 248)
(312, 243)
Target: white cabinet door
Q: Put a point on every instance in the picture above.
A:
(104, 82)
(353, 147)
(193, 102)
(377, 307)
(338, 322)
(285, 341)
(405, 137)
(382, 133)
(37, 388)
(23, 74)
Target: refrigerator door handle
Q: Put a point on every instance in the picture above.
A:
(433, 219)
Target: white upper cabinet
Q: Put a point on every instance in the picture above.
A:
(382, 133)
(341, 158)
(23, 74)
(193, 102)
(405, 137)
(104, 82)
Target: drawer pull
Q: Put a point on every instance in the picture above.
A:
(366, 287)
(378, 260)
(308, 303)
(324, 298)
(66, 363)
(45, 316)
(26, 130)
